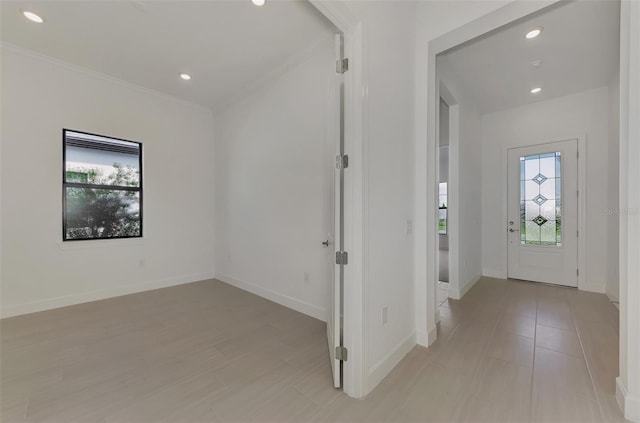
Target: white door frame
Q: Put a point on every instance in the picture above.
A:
(425, 251)
(426, 241)
(355, 190)
(628, 383)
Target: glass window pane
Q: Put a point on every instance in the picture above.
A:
(442, 203)
(548, 210)
(442, 187)
(548, 189)
(532, 233)
(531, 190)
(540, 199)
(442, 221)
(548, 233)
(101, 213)
(101, 161)
(531, 167)
(532, 210)
(548, 167)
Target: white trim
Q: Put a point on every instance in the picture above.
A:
(453, 197)
(630, 204)
(433, 334)
(102, 243)
(99, 75)
(117, 291)
(381, 369)
(621, 393)
(457, 293)
(582, 208)
(493, 273)
(630, 406)
(271, 295)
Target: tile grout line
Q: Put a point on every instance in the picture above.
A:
(586, 361)
(533, 366)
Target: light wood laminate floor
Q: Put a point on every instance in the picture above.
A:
(207, 352)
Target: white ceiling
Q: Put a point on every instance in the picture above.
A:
(579, 48)
(224, 45)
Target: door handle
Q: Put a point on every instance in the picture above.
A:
(513, 230)
(325, 244)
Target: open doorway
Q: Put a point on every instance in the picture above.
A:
(532, 173)
(556, 86)
(443, 203)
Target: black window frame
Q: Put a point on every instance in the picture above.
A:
(66, 185)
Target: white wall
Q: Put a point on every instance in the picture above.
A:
(389, 37)
(270, 165)
(584, 114)
(40, 97)
(613, 191)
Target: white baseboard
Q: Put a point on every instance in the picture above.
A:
(284, 300)
(612, 298)
(380, 370)
(425, 339)
(493, 273)
(457, 293)
(85, 297)
(599, 289)
(422, 338)
(630, 406)
(432, 336)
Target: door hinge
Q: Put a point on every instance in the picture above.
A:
(577, 272)
(342, 257)
(342, 162)
(342, 65)
(341, 353)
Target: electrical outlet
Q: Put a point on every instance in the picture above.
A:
(409, 227)
(385, 315)
(306, 277)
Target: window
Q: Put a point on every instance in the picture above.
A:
(442, 208)
(541, 199)
(102, 187)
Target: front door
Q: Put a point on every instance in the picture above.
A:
(542, 227)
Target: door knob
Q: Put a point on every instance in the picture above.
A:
(325, 243)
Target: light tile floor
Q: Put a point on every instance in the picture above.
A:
(207, 352)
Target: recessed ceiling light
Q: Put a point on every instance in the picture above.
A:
(185, 76)
(258, 2)
(536, 90)
(32, 17)
(533, 33)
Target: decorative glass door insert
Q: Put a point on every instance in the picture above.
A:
(541, 199)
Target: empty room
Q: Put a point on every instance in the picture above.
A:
(309, 210)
